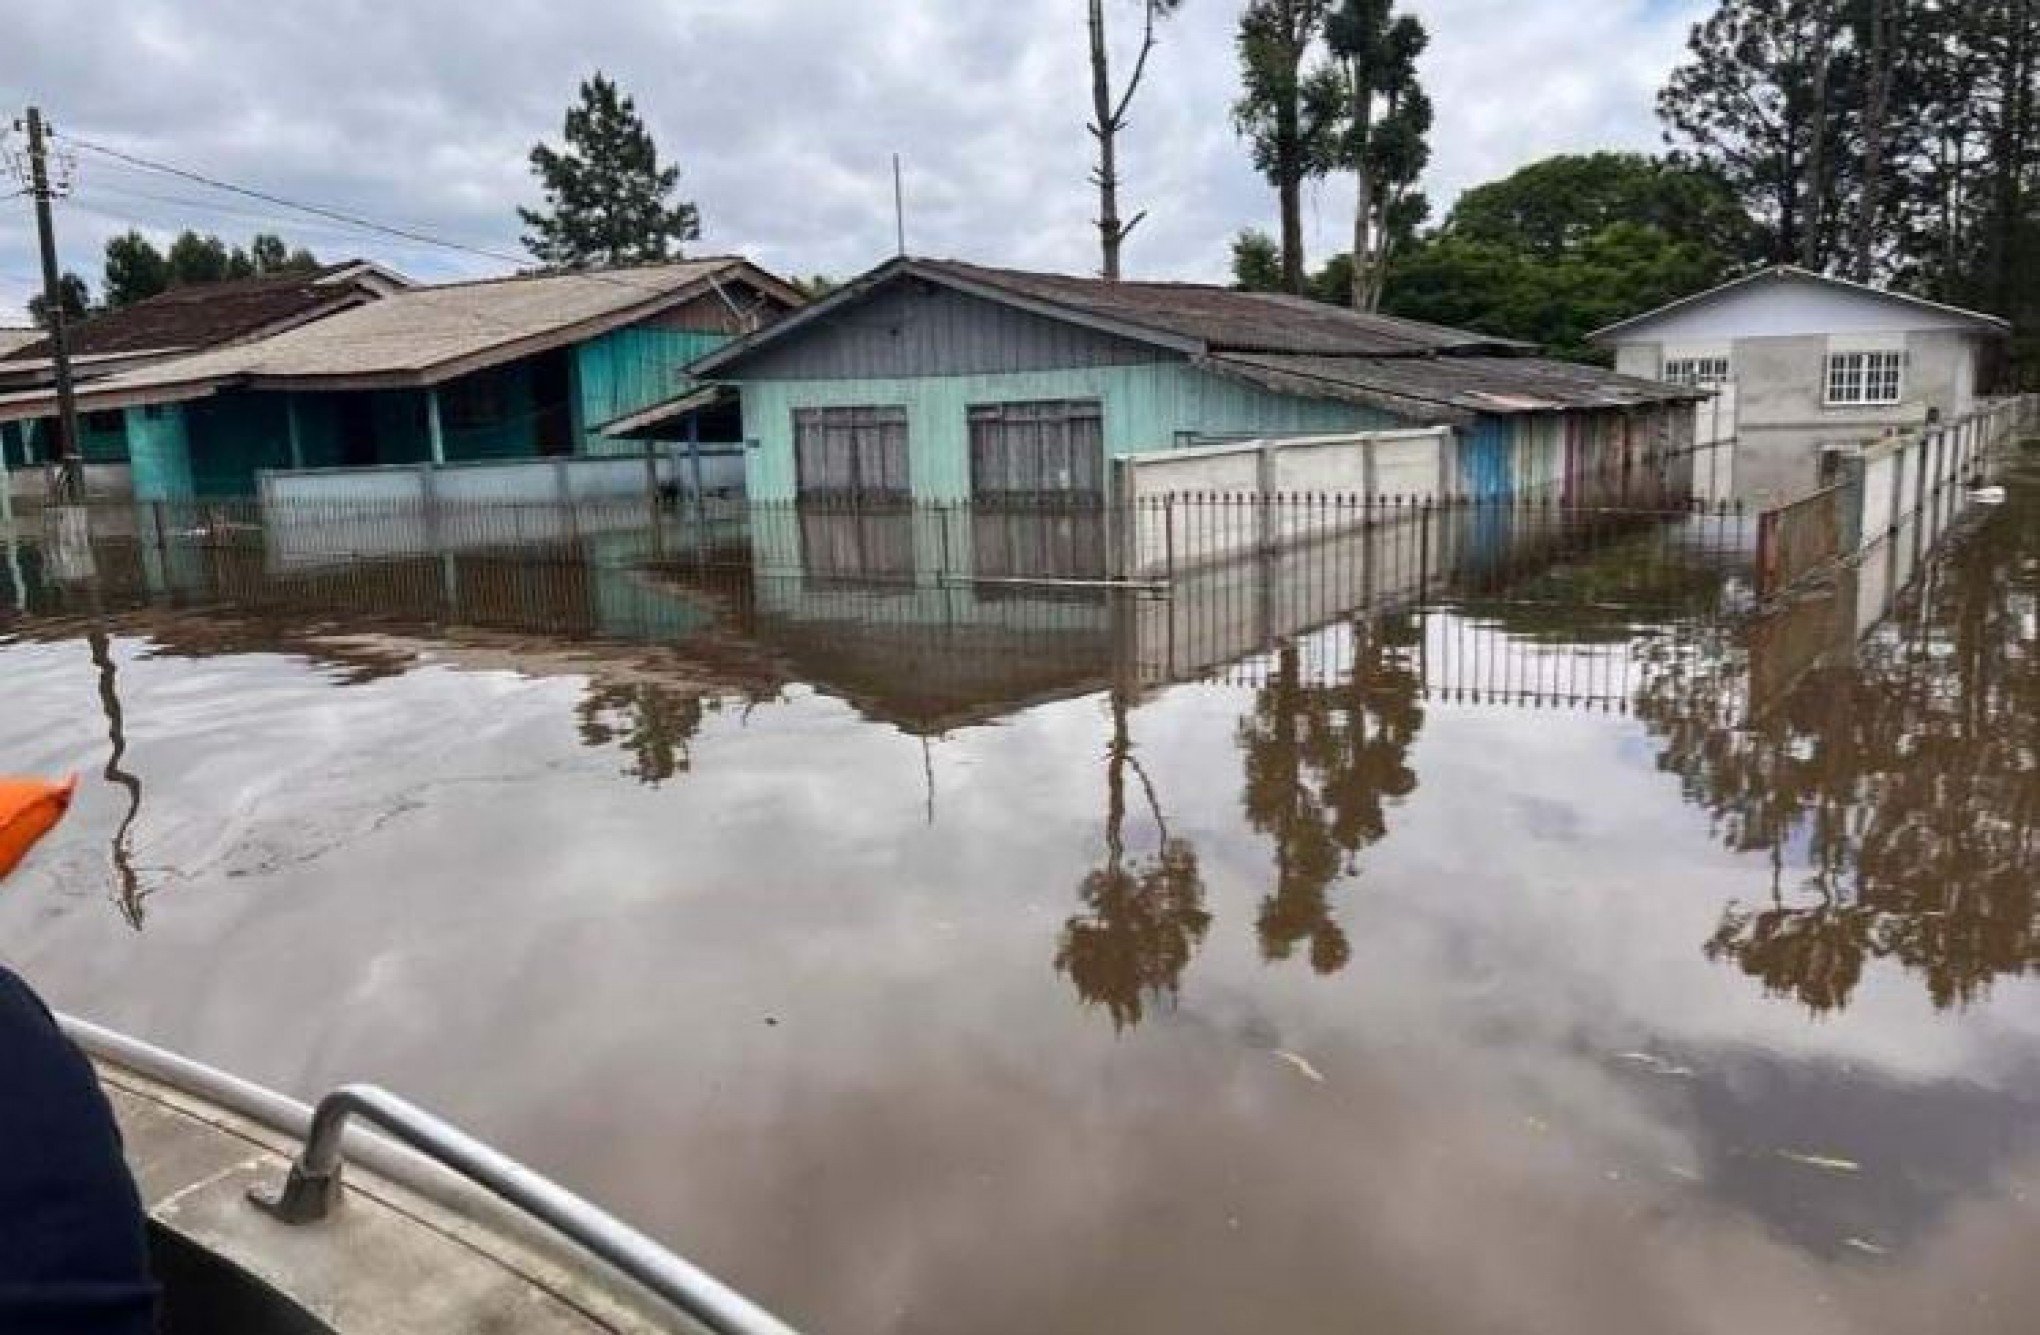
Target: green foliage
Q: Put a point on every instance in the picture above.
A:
(1384, 137)
(1288, 118)
(270, 254)
(1769, 98)
(1550, 209)
(1889, 140)
(135, 270)
(1256, 262)
(606, 193)
(1495, 288)
(199, 259)
(815, 286)
(1257, 267)
(74, 295)
(1570, 244)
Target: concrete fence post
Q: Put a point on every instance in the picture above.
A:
(1264, 480)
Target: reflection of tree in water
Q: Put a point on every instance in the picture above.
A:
(1144, 918)
(653, 724)
(1322, 762)
(129, 892)
(1905, 783)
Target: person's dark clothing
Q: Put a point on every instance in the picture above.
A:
(73, 1247)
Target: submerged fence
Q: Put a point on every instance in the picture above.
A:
(1882, 489)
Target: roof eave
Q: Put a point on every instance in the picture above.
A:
(1301, 385)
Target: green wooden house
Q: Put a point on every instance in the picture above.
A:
(514, 368)
(935, 380)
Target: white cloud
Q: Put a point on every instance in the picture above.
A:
(783, 113)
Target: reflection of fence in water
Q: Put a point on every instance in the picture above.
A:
(1462, 660)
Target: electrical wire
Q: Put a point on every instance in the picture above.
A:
(298, 206)
(371, 225)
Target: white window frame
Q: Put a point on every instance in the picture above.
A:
(1864, 378)
(1715, 372)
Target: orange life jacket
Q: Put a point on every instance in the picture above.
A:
(29, 809)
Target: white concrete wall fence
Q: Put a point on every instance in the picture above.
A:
(1256, 494)
(347, 513)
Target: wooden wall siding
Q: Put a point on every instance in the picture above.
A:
(1487, 458)
(233, 435)
(1147, 408)
(629, 369)
(911, 329)
(1540, 454)
(160, 454)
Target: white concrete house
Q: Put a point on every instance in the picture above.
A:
(1802, 362)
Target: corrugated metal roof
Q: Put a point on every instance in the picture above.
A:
(1462, 386)
(1225, 320)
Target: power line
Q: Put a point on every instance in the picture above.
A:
(92, 197)
(371, 225)
(315, 210)
(349, 219)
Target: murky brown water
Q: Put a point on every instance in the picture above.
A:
(1510, 966)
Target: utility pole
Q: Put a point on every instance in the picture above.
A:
(71, 486)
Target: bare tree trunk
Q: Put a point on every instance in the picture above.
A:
(1289, 196)
(1876, 112)
(1811, 251)
(1108, 119)
(1377, 263)
(1111, 235)
(1363, 213)
(2011, 146)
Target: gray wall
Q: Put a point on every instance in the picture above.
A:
(913, 328)
(1782, 421)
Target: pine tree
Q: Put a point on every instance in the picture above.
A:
(606, 192)
(1770, 98)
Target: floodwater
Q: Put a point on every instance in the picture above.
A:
(1535, 961)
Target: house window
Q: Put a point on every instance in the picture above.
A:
(851, 453)
(1036, 450)
(1698, 372)
(1865, 378)
(104, 424)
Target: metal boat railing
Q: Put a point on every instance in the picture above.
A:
(313, 1184)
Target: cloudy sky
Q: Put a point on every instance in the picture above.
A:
(782, 113)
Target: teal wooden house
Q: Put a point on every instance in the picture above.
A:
(514, 368)
(935, 380)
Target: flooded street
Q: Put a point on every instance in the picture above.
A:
(1537, 958)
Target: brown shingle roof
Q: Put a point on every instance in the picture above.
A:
(206, 315)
